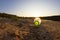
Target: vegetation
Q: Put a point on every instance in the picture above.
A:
(5, 15)
(26, 30)
(54, 18)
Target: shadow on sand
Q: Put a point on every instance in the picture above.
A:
(22, 30)
(38, 33)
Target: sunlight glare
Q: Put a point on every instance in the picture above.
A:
(37, 19)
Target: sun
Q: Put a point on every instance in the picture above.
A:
(36, 15)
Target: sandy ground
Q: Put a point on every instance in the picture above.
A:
(23, 29)
(53, 27)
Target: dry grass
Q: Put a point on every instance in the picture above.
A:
(53, 27)
(25, 30)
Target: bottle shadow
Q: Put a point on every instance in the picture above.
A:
(38, 33)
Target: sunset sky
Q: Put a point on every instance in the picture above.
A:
(30, 8)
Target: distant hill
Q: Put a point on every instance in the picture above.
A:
(5, 15)
(54, 18)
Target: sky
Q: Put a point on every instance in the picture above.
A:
(30, 8)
